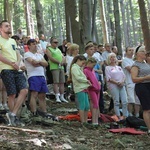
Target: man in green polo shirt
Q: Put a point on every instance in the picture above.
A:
(56, 59)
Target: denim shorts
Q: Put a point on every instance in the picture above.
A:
(38, 84)
(14, 81)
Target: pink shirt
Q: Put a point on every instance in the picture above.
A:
(90, 74)
(116, 73)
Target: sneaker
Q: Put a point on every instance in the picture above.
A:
(58, 100)
(25, 115)
(49, 122)
(11, 119)
(5, 107)
(64, 100)
(36, 119)
(18, 122)
(47, 115)
(2, 107)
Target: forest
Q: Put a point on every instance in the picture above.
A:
(121, 23)
(118, 22)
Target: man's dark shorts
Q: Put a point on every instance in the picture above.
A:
(14, 81)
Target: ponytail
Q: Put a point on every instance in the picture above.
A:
(75, 59)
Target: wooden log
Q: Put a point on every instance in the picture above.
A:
(22, 129)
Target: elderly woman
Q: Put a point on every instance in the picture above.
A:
(116, 84)
(140, 74)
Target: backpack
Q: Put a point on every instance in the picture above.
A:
(135, 122)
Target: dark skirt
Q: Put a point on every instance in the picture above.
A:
(143, 92)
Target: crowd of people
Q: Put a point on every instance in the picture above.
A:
(28, 65)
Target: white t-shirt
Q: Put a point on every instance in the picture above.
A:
(31, 70)
(96, 55)
(105, 55)
(127, 62)
(43, 44)
(68, 61)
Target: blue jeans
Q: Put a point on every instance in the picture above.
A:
(119, 93)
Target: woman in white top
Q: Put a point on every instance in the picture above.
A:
(115, 81)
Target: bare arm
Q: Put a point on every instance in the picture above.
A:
(49, 55)
(33, 62)
(128, 68)
(8, 62)
(135, 78)
(43, 63)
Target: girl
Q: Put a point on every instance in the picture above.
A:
(73, 51)
(80, 85)
(116, 84)
(93, 90)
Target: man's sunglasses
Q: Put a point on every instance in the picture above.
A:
(55, 42)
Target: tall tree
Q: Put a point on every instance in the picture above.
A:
(8, 12)
(85, 21)
(126, 43)
(68, 20)
(94, 26)
(133, 22)
(117, 26)
(110, 22)
(103, 20)
(128, 24)
(58, 19)
(39, 16)
(144, 24)
(27, 16)
(72, 21)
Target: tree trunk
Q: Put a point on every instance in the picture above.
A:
(94, 27)
(128, 24)
(39, 16)
(133, 23)
(126, 43)
(148, 6)
(68, 26)
(103, 20)
(85, 21)
(110, 23)
(27, 16)
(5, 9)
(16, 16)
(53, 23)
(144, 24)
(72, 24)
(117, 26)
(8, 12)
(58, 19)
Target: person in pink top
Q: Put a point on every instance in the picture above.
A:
(115, 78)
(93, 90)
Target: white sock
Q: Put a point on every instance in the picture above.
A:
(130, 114)
(62, 96)
(13, 114)
(94, 123)
(57, 96)
(137, 115)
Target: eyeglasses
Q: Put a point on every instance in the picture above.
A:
(55, 42)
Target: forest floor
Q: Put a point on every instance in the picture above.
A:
(68, 135)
